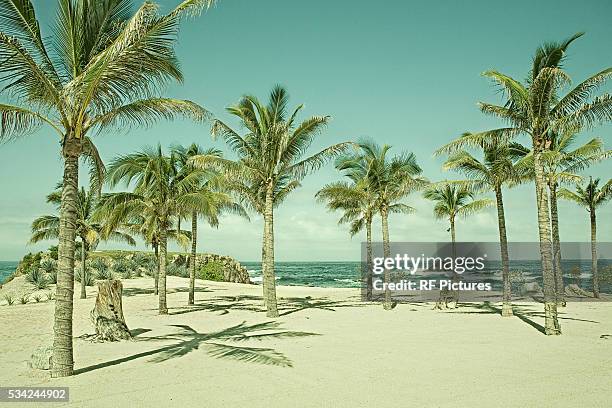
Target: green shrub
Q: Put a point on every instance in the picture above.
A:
(101, 268)
(212, 271)
(37, 278)
(24, 299)
(9, 299)
(53, 252)
(89, 276)
(48, 265)
(52, 277)
(125, 268)
(49, 296)
(30, 261)
(177, 270)
(37, 298)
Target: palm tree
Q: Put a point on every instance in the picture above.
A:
(270, 163)
(496, 170)
(161, 190)
(536, 110)
(358, 206)
(561, 163)
(389, 181)
(454, 200)
(591, 197)
(104, 71)
(215, 202)
(145, 225)
(87, 229)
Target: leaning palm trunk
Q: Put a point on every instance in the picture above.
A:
(554, 218)
(594, 271)
(192, 260)
(269, 283)
(503, 244)
(83, 270)
(384, 213)
(369, 258)
(163, 250)
(551, 323)
(63, 363)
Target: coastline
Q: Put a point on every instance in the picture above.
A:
(339, 345)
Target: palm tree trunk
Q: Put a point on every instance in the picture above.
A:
(453, 236)
(503, 244)
(163, 250)
(594, 270)
(156, 249)
(554, 219)
(384, 213)
(369, 257)
(63, 363)
(192, 260)
(551, 323)
(267, 261)
(83, 270)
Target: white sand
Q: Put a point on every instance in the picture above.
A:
(362, 356)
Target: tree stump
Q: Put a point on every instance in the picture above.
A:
(107, 315)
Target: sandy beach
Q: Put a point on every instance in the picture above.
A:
(357, 355)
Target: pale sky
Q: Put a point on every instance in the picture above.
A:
(406, 74)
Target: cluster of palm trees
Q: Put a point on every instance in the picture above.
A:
(535, 109)
(106, 67)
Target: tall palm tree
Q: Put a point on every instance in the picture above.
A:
(535, 109)
(270, 163)
(562, 161)
(591, 197)
(104, 70)
(161, 188)
(87, 229)
(389, 180)
(215, 202)
(454, 200)
(496, 170)
(358, 205)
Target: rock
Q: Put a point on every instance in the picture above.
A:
(531, 287)
(41, 358)
(575, 290)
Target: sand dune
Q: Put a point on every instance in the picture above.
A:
(336, 352)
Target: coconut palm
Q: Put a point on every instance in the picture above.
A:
(215, 202)
(535, 109)
(161, 189)
(145, 225)
(455, 199)
(389, 181)
(496, 170)
(590, 197)
(87, 229)
(270, 163)
(561, 163)
(101, 68)
(358, 206)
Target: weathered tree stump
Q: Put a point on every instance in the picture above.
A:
(107, 315)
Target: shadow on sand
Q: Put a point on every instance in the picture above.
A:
(149, 291)
(523, 313)
(286, 306)
(187, 340)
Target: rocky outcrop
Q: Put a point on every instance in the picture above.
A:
(233, 271)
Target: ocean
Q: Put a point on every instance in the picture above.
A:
(6, 269)
(346, 274)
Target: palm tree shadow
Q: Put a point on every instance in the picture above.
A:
(188, 340)
(225, 304)
(523, 313)
(150, 291)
